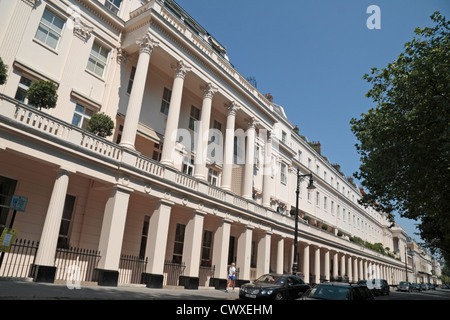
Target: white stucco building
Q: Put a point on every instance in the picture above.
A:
(223, 192)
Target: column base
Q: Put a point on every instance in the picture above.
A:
(107, 278)
(44, 274)
(188, 282)
(218, 284)
(154, 281)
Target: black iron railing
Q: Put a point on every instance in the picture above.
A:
(19, 261)
(76, 264)
(131, 268)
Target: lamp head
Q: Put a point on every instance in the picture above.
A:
(311, 185)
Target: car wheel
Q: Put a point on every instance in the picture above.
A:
(279, 296)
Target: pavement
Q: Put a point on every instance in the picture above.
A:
(26, 289)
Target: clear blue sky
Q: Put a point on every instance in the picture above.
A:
(311, 56)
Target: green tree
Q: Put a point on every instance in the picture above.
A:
(42, 94)
(101, 125)
(404, 140)
(3, 72)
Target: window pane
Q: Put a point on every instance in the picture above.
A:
(52, 40)
(41, 33)
(91, 65)
(58, 24)
(20, 94)
(79, 108)
(85, 123)
(99, 69)
(76, 120)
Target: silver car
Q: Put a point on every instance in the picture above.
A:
(404, 286)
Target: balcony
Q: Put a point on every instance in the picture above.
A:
(42, 126)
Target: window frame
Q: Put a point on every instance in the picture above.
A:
(50, 29)
(165, 101)
(96, 59)
(83, 116)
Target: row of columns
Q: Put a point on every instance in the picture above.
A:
(113, 227)
(344, 264)
(147, 44)
(112, 233)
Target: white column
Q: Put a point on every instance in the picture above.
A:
(355, 269)
(267, 169)
(200, 171)
(158, 229)
(361, 270)
(335, 266)
(349, 265)
(263, 256)
(227, 167)
(247, 192)
(220, 249)
(365, 274)
(146, 45)
(343, 266)
(49, 238)
(306, 262)
(170, 134)
(113, 227)
(244, 250)
(327, 264)
(317, 265)
(280, 256)
(193, 244)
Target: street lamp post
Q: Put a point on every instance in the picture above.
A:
(310, 186)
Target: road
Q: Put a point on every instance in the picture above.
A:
(438, 294)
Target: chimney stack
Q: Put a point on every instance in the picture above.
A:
(337, 166)
(317, 146)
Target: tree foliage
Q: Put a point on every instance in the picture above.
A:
(42, 94)
(404, 140)
(101, 125)
(3, 72)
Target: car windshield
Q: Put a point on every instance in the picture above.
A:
(403, 283)
(328, 292)
(268, 278)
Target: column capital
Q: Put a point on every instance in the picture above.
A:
(147, 43)
(252, 123)
(181, 69)
(232, 107)
(209, 90)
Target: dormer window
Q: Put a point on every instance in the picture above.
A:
(113, 5)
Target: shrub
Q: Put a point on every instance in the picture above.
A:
(101, 125)
(3, 72)
(42, 94)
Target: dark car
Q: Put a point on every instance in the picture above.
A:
(404, 286)
(416, 287)
(275, 287)
(338, 291)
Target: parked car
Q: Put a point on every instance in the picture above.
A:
(416, 287)
(424, 286)
(431, 286)
(275, 287)
(338, 291)
(378, 286)
(404, 286)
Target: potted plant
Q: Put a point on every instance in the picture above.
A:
(42, 94)
(3, 72)
(101, 125)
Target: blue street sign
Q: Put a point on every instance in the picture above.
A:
(18, 203)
